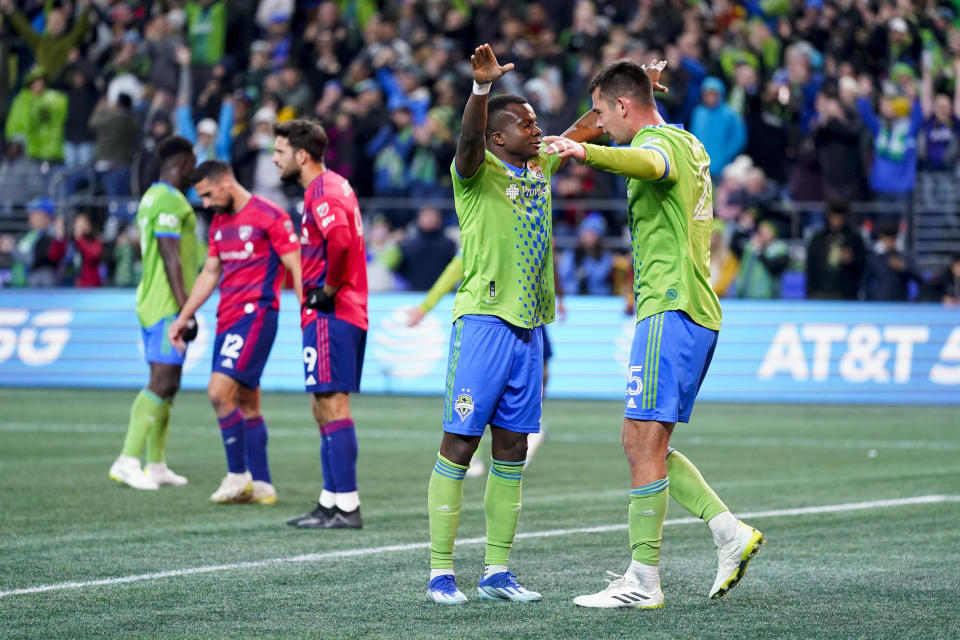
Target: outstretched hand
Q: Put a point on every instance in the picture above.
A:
(485, 66)
(653, 71)
(564, 147)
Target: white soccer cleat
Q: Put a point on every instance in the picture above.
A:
(733, 558)
(126, 470)
(235, 487)
(443, 590)
(476, 468)
(622, 592)
(263, 493)
(160, 473)
(504, 586)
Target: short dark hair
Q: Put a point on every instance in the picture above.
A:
(173, 147)
(210, 169)
(497, 105)
(838, 206)
(304, 134)
(623, 78)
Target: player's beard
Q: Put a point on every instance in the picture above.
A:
(290, 174)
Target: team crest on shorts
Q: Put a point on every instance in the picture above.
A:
(245, 232)
(464, 405)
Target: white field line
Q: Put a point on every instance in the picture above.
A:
(414, 546)
(409, 434)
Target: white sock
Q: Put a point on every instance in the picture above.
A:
(647, 575)
(491, 569)
(327, 499)
(724, 527)
(348, 501)
(440, 572)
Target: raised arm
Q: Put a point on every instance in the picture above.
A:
(470, 148)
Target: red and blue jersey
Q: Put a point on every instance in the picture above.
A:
(249, 244)
(332, 250)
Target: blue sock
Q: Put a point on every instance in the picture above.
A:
(233, 429)
(329, 483)
(257, 449)
(341, 439)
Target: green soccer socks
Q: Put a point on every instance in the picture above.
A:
(501, 506)
(157, 441)
(444, 500)
(648, 508)
(148, 411)
(689, 488)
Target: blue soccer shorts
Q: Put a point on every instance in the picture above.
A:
(332, 355)
(668, 362)
(241, 350)
(157, 346)
(494, 376)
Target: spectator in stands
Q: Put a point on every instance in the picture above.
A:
(51, 49)
(390, 150)
(723, 263)
(8, 246)
(758, 194)
(835, 257)
(258, 68)
(949, 282)
(160, 47)
(126, 257)
(82, 98)
(894, 130)
(764, 261)
(435, 146)
(264, 176)
(717, 126)
(38, 114)
(211, 140)
(40, 252)
(585, 269)
(939, 145)
(293, 91)
(87, 253)
(147, 163)
(422, 257)
(837, 133)
(117, 138)
(20, 177)
(206, 31)
(889, 272)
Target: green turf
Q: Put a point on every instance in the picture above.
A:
(882, 572)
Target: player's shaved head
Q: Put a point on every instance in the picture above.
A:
(176, 161)
(172, 147)
(498, 112)
(212, 170)
(624, 78)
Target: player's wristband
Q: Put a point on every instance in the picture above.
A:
(481, 89)
(190, 333)
(319, 300)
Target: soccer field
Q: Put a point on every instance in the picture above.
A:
(860, 506)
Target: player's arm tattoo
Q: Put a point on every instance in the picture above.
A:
(170, 254)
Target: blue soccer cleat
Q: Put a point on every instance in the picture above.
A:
(443, 590)
(504, 586)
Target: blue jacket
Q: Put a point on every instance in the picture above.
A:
(722, 132)
(894, 167)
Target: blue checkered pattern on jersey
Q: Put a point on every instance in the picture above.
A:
(534, 232)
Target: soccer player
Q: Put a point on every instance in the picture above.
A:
(252, 245)
(501, 188)
(670, 201)
(333, 317)
(169, 248)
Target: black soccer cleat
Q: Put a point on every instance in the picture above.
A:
(344, 519)
(315, 518)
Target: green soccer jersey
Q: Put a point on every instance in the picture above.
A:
(670, 225)
(164, 212)
(506, 234)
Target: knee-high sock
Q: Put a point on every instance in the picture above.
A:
(648, 508)
(257, 449)
(501, 506)
(341, 440)
(444, 500)
(233, 430)
(147, 411)
(689, 488)
(157, 441)
(328, 497)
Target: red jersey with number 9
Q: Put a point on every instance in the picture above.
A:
(332, 250)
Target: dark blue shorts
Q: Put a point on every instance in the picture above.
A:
(241, 350)
(669, 359)
(332, 355)
(494, 376)
(156, 344)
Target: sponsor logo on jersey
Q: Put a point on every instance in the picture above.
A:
(512, 191)
(322, 209)
(464, 405)
(672, 294)
(245, 232)
(168, 220)
(325, 222)
(234, 255)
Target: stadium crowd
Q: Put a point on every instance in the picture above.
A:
(795, 100)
